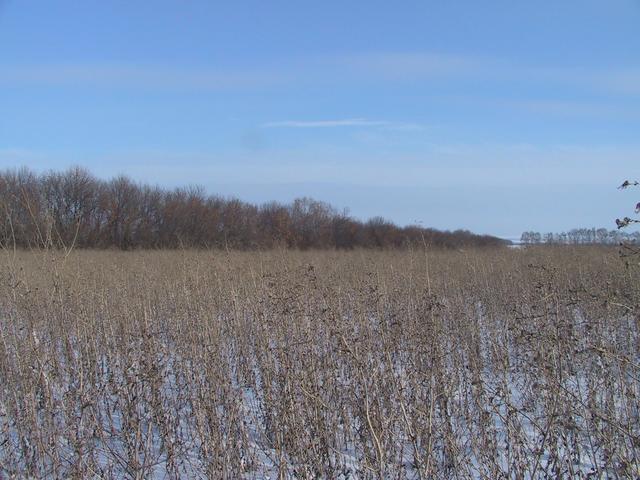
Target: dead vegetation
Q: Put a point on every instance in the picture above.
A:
(477, 364)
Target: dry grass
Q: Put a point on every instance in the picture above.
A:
(477, 364)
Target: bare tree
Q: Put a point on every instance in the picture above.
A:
(73, 208)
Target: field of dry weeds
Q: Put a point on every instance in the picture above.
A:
(468, 364)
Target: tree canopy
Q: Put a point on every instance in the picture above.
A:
(74, 208)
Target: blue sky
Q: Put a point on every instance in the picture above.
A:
(496, 116)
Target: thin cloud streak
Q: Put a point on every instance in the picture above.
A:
(409, 65)
(133, 76)
(348, 122)
(386, 67)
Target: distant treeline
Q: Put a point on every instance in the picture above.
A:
(581, 236)
(74, 208)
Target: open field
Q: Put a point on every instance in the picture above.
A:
(192, 364)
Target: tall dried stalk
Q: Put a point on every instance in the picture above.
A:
(185, 364)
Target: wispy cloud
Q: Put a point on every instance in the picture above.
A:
(405, 127)
(340, 69)
(402, 67)
(623, 81)
(573, 109)
(106, 75)
(347, 122)
(354, 70)
(410, 65)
